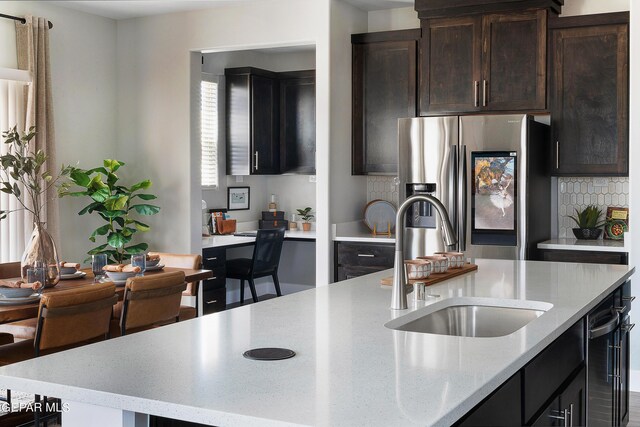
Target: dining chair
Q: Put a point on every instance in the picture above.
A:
(151, 301)
(66, 319)
(9, 270)
(23, 329)
(190, 261)
(265, 260)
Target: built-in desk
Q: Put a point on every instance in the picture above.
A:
(214, 256)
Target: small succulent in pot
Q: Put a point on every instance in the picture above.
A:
(589, 222)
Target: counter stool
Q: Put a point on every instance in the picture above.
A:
(266, 257)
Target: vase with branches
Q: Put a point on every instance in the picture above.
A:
(117, 205)
(23, 174)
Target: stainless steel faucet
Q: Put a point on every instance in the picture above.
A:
(399, 292)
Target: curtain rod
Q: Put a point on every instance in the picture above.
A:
(24, 21)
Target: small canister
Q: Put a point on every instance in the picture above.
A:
(418, 291)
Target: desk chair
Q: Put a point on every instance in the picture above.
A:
(66, 319)
(190, 261)
(150, 301)
(265, 260)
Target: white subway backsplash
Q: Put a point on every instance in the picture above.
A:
(578, 193)
(382, 187)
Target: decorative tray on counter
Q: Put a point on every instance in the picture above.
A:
(436, 277)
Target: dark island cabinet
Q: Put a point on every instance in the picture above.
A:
(252, 121)
(589, 94)
(492, 62)
(298, 122)
(384, 90)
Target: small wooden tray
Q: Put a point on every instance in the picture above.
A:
(435, 278)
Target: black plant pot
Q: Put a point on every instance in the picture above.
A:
(587, 233)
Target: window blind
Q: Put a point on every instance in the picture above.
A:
(209, 133)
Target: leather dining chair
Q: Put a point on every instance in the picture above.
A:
(265, 260)
(9, 270)
(151, 301)
(190, 261)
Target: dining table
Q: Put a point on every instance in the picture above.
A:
(15, 312)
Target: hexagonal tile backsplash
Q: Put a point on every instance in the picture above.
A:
(572, 193)
(578, 193)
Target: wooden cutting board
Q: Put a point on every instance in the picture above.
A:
(435, 278)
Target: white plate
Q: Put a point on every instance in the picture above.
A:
(17, 301)
(381, 214)
(76, 275)
(155, 267)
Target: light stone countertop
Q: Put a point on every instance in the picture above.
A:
(349, 368)
(571, 244)
(357, 231)
(228, 240)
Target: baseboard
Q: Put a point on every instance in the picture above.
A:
(634, 380)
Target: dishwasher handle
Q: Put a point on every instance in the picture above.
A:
(607, 328)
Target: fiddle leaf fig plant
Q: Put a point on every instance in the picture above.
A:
(117, 205)
(305, 214)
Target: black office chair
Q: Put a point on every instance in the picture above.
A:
(266, 257)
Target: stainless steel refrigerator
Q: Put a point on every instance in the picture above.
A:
(492, 173)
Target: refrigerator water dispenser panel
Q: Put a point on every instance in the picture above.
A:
(421, 214)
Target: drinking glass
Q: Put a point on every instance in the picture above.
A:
(139, 260)
(37, 274)
(97, 262)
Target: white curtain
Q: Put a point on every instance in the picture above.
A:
(14, 229)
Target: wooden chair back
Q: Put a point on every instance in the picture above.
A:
(10, 270)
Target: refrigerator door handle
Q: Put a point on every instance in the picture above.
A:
(462, 199)
(452, 198)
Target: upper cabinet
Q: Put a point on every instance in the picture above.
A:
(589, 89)
(270, 121)
(490, 62)
(298, 122)
(384, 90)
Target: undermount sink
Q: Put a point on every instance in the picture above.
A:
(471, 317)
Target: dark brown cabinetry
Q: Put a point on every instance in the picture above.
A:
(568, 407)
(589, 94)
(214, 291)
(357, 259)
(298, 122)
(590, 257)
(252, 121)
(384, 90)
(493, 62)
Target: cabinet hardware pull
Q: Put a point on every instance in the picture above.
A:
(367, 255)
(256, 165)
(628, 327)
(476, 94)
(561, 415)
(212, 259)
(557, 154)
(620, 309)
(630, 299)
(484, 93)
(212, 301)
(571, 415)
(214, 278)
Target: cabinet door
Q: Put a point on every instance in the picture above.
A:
(514, 61)
(502, 408)
(298, 125)
(451, 69)
(238, 117)
(384, 90)
(573, 400)
(589, 92)
(265, 149)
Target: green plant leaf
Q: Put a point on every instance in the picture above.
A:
(101, 195)
(112, 165)
(140, 247)
(116, 203)
(142, 226)
(98, 170)
(80, 178)
(142, 185)
(119, 220)
(118, 240)
(90, 208)
(100, 231)
(111, 214)
(97, 249)
(145, 209)
(145, 196)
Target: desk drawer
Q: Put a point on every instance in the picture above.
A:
(217, 281)
(213, 257)
(214, 300)
(366, 255)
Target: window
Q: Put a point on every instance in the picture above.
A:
(209, 133)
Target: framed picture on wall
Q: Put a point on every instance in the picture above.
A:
(237, 198)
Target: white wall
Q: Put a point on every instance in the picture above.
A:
(588, 7)
(393, 19)
(83, 72)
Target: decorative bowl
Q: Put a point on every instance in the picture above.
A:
(119, 277)
(418, 268)
(587, 233)
(440, 263)
(152, 263)
(456, 259)
(15, 292)
(67, 270)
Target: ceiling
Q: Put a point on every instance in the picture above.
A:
(136, 9)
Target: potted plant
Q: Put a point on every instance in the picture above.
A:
(306, 216)
(116, 204)
(589, 222)
(23, 174)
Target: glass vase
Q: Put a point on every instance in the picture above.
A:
(41, 252)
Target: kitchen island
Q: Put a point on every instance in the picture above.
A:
(349, 368)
